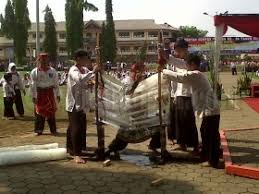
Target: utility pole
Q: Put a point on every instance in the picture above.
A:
(37, 29)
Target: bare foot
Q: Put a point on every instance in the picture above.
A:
(205, 164)
(79, 160)
(178, 147)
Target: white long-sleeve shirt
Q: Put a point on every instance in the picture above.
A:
(178, 89)
(204, 101)
(77, 89)
(127, 82)
(8, 90)
(44, 79)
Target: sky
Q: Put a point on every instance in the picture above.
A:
(174, 12)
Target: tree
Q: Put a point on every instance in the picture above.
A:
(191, 32)
(22, 24)
(50, 42)
(7, 21)
(15, 25)
(109, 49)
(102, 43)
(1, 23)
(142, 53)
(75, 23)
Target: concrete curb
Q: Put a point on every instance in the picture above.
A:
(230, 167)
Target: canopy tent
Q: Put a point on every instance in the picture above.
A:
(245, 23)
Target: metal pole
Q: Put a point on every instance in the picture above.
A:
(37, 29)
(162, 127)
(100, 129)
(218, 42)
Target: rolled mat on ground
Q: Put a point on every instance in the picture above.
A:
(31, 154)
(29, 147)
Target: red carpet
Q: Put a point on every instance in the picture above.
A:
(253, 103)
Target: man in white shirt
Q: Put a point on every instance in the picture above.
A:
(45, 93)
(206, 106)
(77, 104)
(183, 126)
(233, 68)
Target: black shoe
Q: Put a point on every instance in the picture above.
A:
(37, 133)
(54, 133)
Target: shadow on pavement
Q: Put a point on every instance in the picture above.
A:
(65, 176)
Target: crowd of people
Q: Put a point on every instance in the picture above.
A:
(243, 66)
(191, 96)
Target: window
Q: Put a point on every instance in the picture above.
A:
(62, 36)
(152, 48)
(62, 49)
(125, 49)
(89, 35)
(152, 34)
(124, 34)
(166, 34)
(136, 48)
(34, 35)
(139, 34)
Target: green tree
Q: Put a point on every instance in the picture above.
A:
(109, 35)
(75, 23)
(22, 24)
(1, 23)
(15, 25)
(191, 32)
(7, 21)
(142, 53)
(102, 43)
(50, 42)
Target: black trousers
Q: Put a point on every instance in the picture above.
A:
(8, 107)
(76, 133)
(118, 144)
(210, 139)
(234, 71)
(186, 130)
(18, 102)
(155, 142)
(172, 124)
(40, 122)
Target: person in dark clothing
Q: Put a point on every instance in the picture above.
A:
(18, 86)
(9, 96)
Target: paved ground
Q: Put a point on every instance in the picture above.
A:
(125, 176)
(244, 147)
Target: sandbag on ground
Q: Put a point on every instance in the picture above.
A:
(32, 156)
